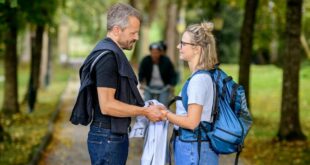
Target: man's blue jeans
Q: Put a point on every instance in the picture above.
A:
(106, 148)
(186, 153)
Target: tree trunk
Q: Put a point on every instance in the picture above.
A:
(135, 57)
(1, 133)
(153, 5)
(305, 45)
(247, 33)
(289, 124)
(172, 32)
(34, 81)
(10, 102)
(26, 48)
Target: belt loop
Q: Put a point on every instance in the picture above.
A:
(100, 124)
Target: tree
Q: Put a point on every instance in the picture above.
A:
(136, 52)
(246, 38)
(171, 34)
(8, 16)
(149, 11)
(38, 14)
(34, 81)
(289, 124)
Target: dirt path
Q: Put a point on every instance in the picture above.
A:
(68, 146)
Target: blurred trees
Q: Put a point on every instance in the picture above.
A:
(173, 23)
(39, 14)
(290, 128)
(9, 18)
(246, 41)
(88, 16)
(149, 10)
(306, 30)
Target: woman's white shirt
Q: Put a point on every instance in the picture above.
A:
(199, 91)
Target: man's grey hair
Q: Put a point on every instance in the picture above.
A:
(118, 15)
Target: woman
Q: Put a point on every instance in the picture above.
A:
(193, 118)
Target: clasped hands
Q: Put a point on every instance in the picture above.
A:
(156, 113)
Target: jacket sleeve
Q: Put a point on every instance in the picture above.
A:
(142, 69)
(172, 73)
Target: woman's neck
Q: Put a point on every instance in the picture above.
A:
(192, 66)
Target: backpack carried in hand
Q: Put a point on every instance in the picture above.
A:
(231, 117)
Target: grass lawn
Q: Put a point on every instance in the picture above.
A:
(27, 130)
(265, 92)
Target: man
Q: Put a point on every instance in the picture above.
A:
(114, 93)
(156, 71)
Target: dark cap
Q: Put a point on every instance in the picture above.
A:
(163, 44)
(157, 46)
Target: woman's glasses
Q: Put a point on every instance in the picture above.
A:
(182, 43)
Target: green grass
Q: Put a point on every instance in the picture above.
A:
(265, 93)
(27, 130)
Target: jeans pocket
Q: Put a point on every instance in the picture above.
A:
(95, 138)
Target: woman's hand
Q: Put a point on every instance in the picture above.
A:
(164, 113)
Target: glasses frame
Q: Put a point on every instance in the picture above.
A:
(182, 44)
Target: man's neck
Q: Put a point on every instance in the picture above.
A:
(113, 38)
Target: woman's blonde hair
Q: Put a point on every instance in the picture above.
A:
(201, 34)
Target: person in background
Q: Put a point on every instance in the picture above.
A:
(164, 46)
(191, 146)
(157, 73)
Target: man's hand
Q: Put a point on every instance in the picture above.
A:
(153, 113)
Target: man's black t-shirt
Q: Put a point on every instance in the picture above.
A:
(106, 75)
(106, 71)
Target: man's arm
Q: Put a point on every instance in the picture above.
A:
(110, 106)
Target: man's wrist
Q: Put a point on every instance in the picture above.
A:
(144, 111)
(166, 113)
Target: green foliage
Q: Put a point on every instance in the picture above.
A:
(88, 17)
(39, 12)
(13, 3)
(269, 26)
(27, 130)
(306, 20)
(227, 35)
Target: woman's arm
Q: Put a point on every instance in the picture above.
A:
(190, 121)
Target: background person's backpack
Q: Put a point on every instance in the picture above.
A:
(231, 117)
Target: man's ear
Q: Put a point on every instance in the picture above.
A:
(116, 30)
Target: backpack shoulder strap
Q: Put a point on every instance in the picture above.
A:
(184, 96)
(97, 59)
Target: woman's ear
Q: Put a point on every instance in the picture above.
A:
(197, 50)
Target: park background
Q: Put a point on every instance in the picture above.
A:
(263, 44)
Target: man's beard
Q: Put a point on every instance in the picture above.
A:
(129, 46)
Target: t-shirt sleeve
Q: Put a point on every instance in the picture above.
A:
(106, 71)
(199, 89)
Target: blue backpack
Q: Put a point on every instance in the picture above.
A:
(231, 117)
